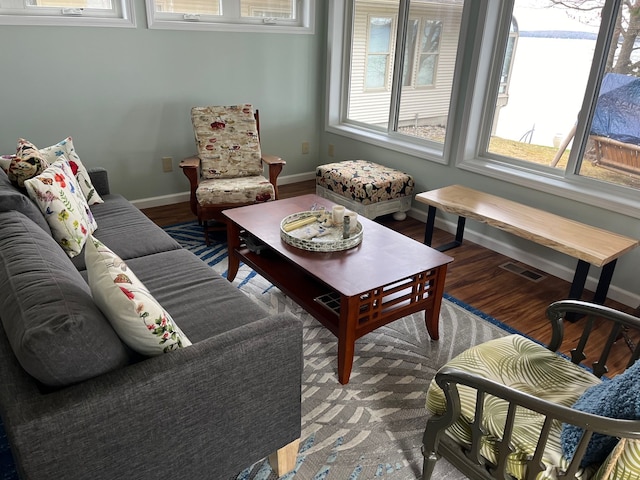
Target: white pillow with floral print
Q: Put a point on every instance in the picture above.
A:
(63, 205)
(138, 319)
(65, 148)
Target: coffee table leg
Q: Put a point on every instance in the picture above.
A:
(432, 315)
(233, 243)
(349, 307)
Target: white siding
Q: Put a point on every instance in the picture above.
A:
(430, 103)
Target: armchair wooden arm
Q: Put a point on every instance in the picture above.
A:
(191, 168)
(275, 165)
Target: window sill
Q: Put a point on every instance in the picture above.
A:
(581, 189)
(67, 21)
(226, 27)
(397, 143)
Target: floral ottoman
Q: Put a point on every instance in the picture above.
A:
(366, 187)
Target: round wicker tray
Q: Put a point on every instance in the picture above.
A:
(330, 241)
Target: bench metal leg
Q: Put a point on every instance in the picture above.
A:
(428, 232)
(577, 286)
(605, 280)
(580, 278)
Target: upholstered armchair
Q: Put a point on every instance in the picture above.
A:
(227, 172)
(512, 409)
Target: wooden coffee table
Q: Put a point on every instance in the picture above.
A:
(351, 292)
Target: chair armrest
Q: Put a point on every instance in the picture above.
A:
(448, 379)
(100, 179)
(595, 314)
(234, 398)
(190, 162)
(275, 165)
(191, 168)
(273, 160)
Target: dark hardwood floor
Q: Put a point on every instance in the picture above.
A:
(474, 277)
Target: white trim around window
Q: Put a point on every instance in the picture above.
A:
(22, 12)
(232, 21)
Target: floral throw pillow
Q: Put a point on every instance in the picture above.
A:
(65, 209)
(135, 315)
(27, 163)
(65, 148)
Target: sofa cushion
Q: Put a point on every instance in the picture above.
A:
(11, 198)
(135, 315)
(27, 163)
(126, 231)
(65, 148)
(57, 332)
(206, 304)
(65, 209)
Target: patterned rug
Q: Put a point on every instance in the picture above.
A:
(371, 428)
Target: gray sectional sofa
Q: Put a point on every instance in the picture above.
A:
(78, 404)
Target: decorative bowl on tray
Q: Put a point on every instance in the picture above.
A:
(312, 230)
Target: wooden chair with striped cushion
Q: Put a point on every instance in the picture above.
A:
(513, 409)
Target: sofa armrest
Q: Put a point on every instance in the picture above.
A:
(210, 409)
(100, 179)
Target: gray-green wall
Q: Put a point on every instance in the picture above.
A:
(124, 94)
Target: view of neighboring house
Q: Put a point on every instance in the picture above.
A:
(430, 56)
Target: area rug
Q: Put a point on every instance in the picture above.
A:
(372, 427)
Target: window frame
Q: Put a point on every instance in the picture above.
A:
(233, 23)
(420, 53)
(483, 32)
(122, 15)
(388, 54)
(340, 22)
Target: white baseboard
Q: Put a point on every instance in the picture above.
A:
(184, 196)
(615, 293)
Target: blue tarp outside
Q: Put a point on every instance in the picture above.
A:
(617, 114)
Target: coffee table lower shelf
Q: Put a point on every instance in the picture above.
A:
(351, 317)
(296, 284)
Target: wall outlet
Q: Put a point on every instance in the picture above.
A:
(305, 148)
(167, 164)
(331, 150)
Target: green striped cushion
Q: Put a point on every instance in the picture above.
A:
(529, 367)
(623, 463)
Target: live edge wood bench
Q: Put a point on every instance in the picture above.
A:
(590, 245)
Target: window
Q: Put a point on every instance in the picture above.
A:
(429, 48)
(421, 54)
(402, 91)
(574, 100)
(378, 52)
(540, 93)
(280, 16)
(117, 13)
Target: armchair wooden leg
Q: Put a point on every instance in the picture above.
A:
(284, 460)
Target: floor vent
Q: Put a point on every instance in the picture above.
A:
(523, 272)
